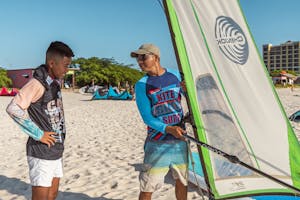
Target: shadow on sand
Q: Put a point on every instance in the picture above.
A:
(169, 179)
(20, 188)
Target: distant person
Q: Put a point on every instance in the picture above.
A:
(90, 87)
(284, 82)
(158, 97)
(132, 92)
(38, 109)
(291, 84)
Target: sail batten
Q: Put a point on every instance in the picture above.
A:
(235, 108)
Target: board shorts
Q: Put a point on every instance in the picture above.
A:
(160, 157)
(41, 172)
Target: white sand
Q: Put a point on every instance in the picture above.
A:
(103, 151)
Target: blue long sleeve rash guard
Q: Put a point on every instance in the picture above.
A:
(158, 99)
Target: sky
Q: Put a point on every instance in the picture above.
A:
(114, 28)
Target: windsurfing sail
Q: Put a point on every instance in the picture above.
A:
(233, 104)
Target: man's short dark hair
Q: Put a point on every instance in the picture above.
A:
(59, 48)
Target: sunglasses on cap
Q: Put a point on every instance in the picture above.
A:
(143, 57)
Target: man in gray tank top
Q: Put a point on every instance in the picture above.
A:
(38, 109)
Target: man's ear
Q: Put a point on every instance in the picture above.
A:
(51, 63)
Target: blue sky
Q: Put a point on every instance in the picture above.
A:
(113, 28)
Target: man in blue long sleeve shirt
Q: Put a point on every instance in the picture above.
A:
(158, 97)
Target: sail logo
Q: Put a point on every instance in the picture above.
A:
(231, 40)
(238, 185)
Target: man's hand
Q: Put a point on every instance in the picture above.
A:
(48, 139)
(176, 131)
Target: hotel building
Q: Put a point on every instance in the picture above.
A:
(285, 56)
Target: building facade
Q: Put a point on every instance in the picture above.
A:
(282, 57)
(20, 77)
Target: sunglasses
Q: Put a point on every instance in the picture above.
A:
(143, 57)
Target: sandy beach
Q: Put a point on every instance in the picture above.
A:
(103, 151)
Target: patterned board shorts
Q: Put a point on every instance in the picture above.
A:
(159, 158)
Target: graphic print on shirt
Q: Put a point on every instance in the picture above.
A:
(56, 116)
(165, 106)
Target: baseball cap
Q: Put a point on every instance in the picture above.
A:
(146, 49)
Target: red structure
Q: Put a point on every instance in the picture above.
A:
(19, 77)
(4, 92)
